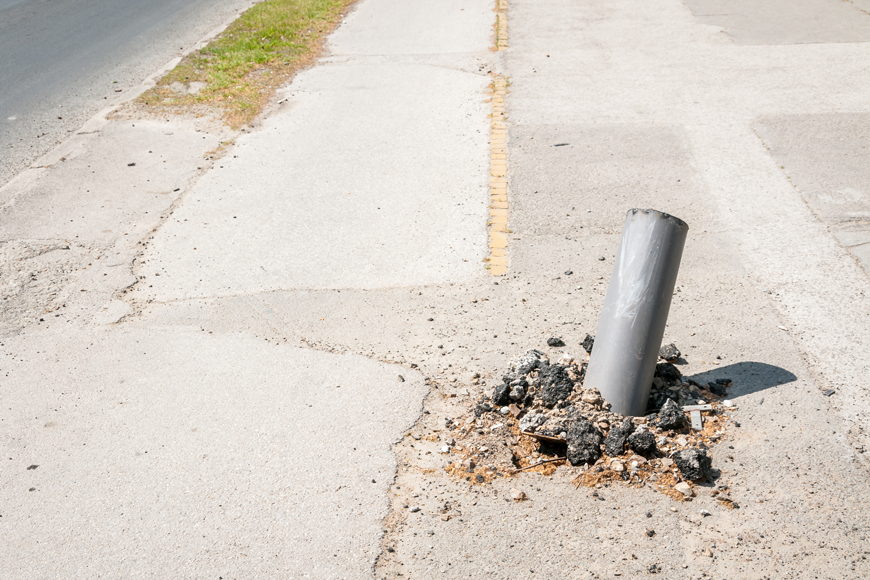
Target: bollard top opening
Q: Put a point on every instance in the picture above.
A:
(677, 221)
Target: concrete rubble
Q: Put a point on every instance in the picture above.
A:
(540, 418)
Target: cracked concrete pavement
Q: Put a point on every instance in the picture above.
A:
(338, 245)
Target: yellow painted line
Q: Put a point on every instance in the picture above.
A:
(497, 261)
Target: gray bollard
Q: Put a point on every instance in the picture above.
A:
(635, 310)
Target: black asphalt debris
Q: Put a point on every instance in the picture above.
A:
(694, 464)
(584, 440)
(642, 442)
(671, 417)
(587, 343)
(501, 395)
(556, 385)
(614, 444)
(670, 352)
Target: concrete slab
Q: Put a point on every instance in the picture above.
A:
(652, 62)
(827, 157)
(127, 173)
(785, 21)
(344, 188)
(141, 452)
(425, 27)
(568, 177)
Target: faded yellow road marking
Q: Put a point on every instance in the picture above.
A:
(498, 195)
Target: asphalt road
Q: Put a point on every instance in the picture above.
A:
(63, 60)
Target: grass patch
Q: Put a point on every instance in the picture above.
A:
(240, 69)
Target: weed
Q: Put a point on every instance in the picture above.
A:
(240, 69)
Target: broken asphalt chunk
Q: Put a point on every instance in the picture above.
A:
(615, 442)
(670, 352)
(694, 464)
(671, 416)
(556, 385)
(501, 395)
(668, 373)
(584, 441)
(642, 442)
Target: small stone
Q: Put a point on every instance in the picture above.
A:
(708, 552)
(445, 517)
(526, 363)
(666, 462)
(616, 466)
(517, 393)
(496, 426)
(504, 410)
(479, 478)
(501, 395)
(587, 343)
(568, 272)
(566, 359)
(670, 352)
(682, 441)
(705, 513)
(829, 392)
(601, 258)
(518, 495)
(638, 459)
(532, 421)
(642, 442)
(481, 408)
(685, 489)
(415, 509)
(591, 396)
(515, 411)
(693, 463)
(671, 416)
(555, 342)
(451, 441)
(445, 449)
(650, 533)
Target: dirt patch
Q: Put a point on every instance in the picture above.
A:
(541, 419)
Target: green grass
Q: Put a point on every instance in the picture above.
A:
(242, 67)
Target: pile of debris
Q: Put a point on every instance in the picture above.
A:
(543, 416)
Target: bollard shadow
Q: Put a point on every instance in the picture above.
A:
(748, 377)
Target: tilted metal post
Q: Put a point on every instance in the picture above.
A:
(635, 310)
